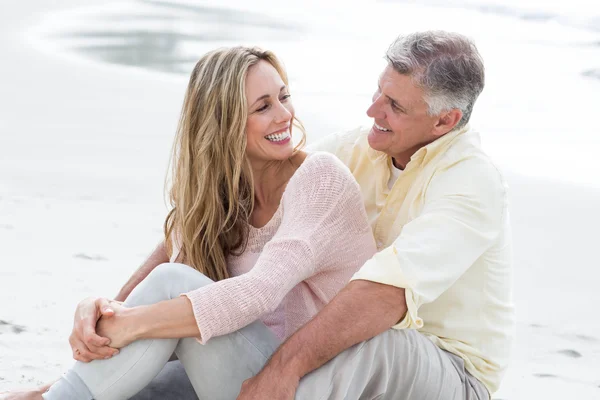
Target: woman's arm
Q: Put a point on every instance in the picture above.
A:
(166, 319)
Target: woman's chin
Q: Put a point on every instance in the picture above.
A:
(272, 156)
(281, 152)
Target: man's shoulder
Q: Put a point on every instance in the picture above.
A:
(340, 142)
(350, 147)
(465, 160)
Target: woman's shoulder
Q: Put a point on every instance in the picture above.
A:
(321, 170)
(323, 164)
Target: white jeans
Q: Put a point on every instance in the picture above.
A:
(216, 370)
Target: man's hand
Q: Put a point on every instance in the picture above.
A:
(85, 343)
(269, 385)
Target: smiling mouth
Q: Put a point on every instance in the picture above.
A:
(381, 128)
(278, 137)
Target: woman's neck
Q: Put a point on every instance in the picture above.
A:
(269, 183)
(270, 180)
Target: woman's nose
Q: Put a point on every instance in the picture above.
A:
(282, 113)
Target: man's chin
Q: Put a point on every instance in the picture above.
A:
(377, 140)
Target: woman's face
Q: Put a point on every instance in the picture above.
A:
(270, 115)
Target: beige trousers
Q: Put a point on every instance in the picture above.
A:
(396, 365)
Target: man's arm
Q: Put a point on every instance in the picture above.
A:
(362, 310)
(158, 256)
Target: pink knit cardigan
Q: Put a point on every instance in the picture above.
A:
(294, 265)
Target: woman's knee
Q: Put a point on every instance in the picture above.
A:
(169, 271)
(181, 273)
(167, 281)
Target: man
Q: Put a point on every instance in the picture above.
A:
(442, 277)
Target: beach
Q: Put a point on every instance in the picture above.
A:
(86, 129)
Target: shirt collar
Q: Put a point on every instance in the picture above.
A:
(425, 153)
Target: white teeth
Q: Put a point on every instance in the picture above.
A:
(278, 137)
(381, 128)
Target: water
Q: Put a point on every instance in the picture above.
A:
(537, 112)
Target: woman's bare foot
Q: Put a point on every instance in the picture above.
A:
(28, 394)
(22, 395)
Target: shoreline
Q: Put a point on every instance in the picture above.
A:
(84, 36)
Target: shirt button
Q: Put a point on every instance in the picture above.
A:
(379, 243)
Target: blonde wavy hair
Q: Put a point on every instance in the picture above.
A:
(211, 184)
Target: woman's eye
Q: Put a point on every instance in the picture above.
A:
(285, 97)
(262, 108)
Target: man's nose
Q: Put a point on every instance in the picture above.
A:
(375, 110)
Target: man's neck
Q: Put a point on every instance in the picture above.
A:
(397, 164)
(401, 160)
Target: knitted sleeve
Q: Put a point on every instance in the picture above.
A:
(312, 223)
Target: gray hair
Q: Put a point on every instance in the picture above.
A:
(446, 65)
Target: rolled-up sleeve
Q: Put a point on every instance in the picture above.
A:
(460, 219)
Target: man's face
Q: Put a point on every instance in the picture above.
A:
(401, 123)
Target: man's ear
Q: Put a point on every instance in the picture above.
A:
(447, 121)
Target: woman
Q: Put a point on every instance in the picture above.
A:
(261, 236)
